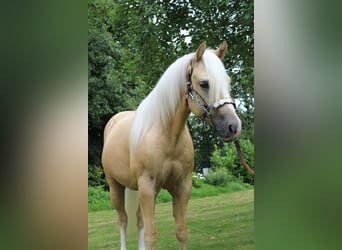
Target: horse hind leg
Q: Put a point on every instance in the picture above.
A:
(131, 207)
(130, 199)
(117, 196)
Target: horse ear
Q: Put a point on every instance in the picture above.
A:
(200, 50)
(222, 50)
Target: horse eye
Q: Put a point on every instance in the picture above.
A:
(204, 84)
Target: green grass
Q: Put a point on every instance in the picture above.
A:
(225, 221)
(98, 199)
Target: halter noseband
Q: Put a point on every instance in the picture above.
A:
(199, 100)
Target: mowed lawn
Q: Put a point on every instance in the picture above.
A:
(220, 222)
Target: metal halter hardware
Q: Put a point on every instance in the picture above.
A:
(199, 100)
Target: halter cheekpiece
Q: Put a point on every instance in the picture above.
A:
(199, 100)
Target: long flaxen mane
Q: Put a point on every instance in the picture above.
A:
(159, 107)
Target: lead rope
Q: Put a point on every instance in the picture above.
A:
(238, 149)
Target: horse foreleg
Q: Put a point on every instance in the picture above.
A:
(140, 225)
(147, 195)
(180, 199)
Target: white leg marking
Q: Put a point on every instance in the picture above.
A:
(123, 237)
(141, 239)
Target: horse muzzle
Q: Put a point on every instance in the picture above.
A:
(227, 124)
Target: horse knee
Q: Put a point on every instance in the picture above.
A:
(181, 234)
(122, 219)
(140, 223)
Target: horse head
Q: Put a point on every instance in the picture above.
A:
(208, 94)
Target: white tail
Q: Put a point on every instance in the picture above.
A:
(131, 206)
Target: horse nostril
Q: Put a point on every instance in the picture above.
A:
(232, 128)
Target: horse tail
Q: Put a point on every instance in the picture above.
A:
(131, 206)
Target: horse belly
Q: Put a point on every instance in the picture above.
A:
(116, 153)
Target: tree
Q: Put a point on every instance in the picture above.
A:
(131, 43)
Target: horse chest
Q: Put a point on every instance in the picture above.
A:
(166, 162)
(176, 165)
(173, 158)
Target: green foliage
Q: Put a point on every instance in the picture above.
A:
(204, 138)
(227, 157)
(113, 72)
(207, 190)
(196, 181)
(96, 176)
(218, 177)
(163, 196)
(204, 190)
(131, 43)
(98, 199)
(218, 160)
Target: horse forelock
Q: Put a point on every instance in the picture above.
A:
(161, 103)
(218, 78)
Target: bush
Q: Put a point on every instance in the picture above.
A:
(227, 157)
(222, 157)
(98, 199)
(196, 181)
(163, 196)
(218, 177)
(96, 176)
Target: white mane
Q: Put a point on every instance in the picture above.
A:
(159, 107)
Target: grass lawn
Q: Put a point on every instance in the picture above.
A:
(225, 221)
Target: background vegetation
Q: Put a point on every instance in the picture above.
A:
(98, 198)
(130, 45)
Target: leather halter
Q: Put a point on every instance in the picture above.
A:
(207, 108)
(199, 100)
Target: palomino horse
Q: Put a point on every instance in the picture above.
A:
(151, 148)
